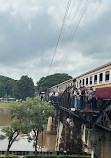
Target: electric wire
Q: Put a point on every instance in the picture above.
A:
(76, 11)
(61, 30)
(78, 23)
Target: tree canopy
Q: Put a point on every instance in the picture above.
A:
(6, 86)
(20, 89)
(37, 114)
(49, 81)
(24, 88)
(12, 131)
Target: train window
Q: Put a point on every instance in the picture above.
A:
(90, 79)
(83, 82)
(107, 76)
(95, 79)
(100, 77)
(86, 81)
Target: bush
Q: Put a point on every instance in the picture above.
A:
(55, 156)
(9, 156)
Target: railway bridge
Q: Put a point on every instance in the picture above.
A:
(96, 119)
(97, 115)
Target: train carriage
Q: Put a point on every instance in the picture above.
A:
(60, 88)
(99, 79)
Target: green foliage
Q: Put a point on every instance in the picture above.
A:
(4, 105)
(9, 156)
(49, 81)
(20, 89)
(36, 114)
(17, 122)
(6, 86)
(28, 116)
(55, 156)
(24, 88)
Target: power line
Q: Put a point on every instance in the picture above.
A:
(76, 11)
(78, 22)
(63, 23)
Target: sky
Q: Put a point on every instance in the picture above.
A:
(30, 30)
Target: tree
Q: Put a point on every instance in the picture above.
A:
(28, 117)
(17, 124)
(24, 88)
(37, 113)
(6, 86)
(49, 81)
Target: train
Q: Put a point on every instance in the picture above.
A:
(99, 79)
(61, 87)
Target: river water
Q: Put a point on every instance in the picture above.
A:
(48, 143)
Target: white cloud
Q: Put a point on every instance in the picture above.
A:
(26, 9)
(95, 10)
(27, 43)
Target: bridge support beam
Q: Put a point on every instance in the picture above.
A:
(69, 139)
(93, 155)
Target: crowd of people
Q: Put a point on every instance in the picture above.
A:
(79, 99)
(83, 99)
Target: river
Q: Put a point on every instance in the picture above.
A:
(49, 140)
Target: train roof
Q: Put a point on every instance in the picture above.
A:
(96, 69)
(61, 83)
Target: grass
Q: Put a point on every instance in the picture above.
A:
(55, 156)
(9, 156)
(5, 105)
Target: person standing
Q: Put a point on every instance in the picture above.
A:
(56, 97)
(90, 98)
(77, 99)
(83, 94)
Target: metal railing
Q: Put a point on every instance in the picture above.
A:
(68, 100)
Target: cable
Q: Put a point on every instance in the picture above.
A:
(79, 20)
(64, 19)
(76, 10)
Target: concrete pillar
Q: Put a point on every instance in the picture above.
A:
(93, 155)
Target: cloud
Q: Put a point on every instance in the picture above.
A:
(29, 31)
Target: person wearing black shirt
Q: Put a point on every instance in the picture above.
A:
(83, 93)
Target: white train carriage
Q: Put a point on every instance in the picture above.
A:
(60, 88)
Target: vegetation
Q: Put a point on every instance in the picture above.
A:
(6, 86)
(37, 114)
(17, 124)
(46, 156)
(16, 89)
(9, 156)
(20, 89)
(27, 117)
(49, 81)
(55, 156)
(5, 105)
(24, 88)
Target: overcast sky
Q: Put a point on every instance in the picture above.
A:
(29, 30)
